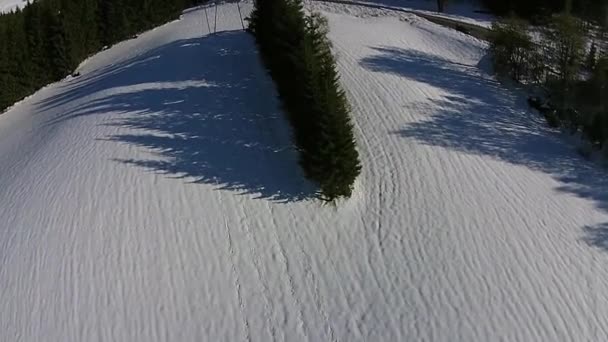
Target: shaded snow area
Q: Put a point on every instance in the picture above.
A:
(9, 5)
(157, 197)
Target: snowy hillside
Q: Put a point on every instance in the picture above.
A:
(9, 5)
(467, 11)
(157, 198)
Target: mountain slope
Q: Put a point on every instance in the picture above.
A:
(157, 197)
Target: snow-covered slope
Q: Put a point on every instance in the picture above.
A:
(465, 11)
(157, 198)
(9, 5)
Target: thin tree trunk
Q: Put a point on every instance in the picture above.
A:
(440, 5)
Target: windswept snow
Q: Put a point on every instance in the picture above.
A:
(157, 197)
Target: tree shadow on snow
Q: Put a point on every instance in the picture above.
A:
(479, 116)
(205, 108)
(597, 236)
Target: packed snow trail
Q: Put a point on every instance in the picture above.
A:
(157, 197)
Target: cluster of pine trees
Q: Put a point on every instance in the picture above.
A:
(47, 39)
(559, 62)
(296, 50)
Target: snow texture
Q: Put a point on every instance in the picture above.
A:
(157, 197)
(9, 5)
(466, 11)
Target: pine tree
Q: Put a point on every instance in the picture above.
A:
(512, 48)
(591, 57)
(565, 39)
(56, 47)
(294, 46)
(330, 158)
(35, 41)
(337, 144)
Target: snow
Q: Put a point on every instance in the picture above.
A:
(9, 5)
(464, 11)
(157, 197)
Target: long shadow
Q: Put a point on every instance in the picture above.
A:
(482, 117)
(597, 236)
(205, 108)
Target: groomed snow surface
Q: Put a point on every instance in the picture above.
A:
(157, 197)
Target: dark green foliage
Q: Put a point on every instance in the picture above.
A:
(591, 57)
(298, 55)
(592, 102)
(47, 40)
(564, 39)
(536, 9)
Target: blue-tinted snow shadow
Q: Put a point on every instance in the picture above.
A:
(206, 108)
(479, 116)
(597, 236)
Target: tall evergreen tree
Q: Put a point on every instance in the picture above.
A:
(35, 43)
(56, 47)
(294, 46)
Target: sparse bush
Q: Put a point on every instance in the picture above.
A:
(555, 64)
(511, 47)
(298, 55)
(564, 40)
(536, 69)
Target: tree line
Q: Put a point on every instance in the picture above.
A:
(296, 51)
(571, 74)
(47, 39)
(536, 10)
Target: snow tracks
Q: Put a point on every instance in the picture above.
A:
(157, 198)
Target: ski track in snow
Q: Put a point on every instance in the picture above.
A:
(157, 197)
